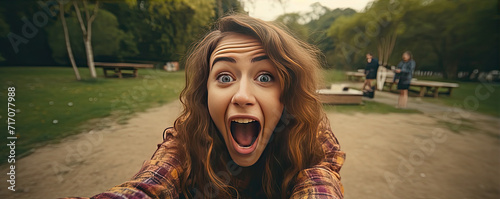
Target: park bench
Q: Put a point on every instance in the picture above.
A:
(426, 87)
(117, 68)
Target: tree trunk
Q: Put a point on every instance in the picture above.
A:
(90, 57)
(451, 58)
(443, 60)
(220, 11)
(383, 45)
(450, 66)
(441, 63)
(441, 56)
(391, 46)
(379, 49)
(87, 33)
(88, 48)
(68, 44)
(385, 48)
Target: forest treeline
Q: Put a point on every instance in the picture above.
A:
(31, 32)
(446, 36)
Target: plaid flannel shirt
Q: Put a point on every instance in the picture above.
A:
(159, 177)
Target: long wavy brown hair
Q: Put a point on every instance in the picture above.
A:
(294, 145)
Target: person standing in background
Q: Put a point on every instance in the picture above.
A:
(404, 71)
(370, 71)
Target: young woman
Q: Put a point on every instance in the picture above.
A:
(370, 71)
(405, 70)
(252, 125)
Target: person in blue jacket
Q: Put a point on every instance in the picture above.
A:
(370, 71)
(404, 71)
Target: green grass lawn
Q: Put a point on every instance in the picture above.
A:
(465, 97)
(466, 92)
(51, 104)
(332, 76)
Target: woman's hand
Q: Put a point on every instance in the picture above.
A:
(397, 70)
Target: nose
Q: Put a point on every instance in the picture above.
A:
(244, 95)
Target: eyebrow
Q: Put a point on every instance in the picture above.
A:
(229, 59)
(259, 58)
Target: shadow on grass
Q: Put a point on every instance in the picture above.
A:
(464, 126)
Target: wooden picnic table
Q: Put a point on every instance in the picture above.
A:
(117, 68)
(356, 76)
(350, 96)
(427, 86)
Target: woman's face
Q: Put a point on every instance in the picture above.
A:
(406, 56)
(243, 96)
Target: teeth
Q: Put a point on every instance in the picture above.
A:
(243, 120)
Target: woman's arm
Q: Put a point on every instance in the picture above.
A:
(413, 64)
(398, 67)
(323, 179)
(158, 177)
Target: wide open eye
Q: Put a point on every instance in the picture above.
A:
(225, 78)
(264, 78)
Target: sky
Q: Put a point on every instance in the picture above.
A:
(270, 9)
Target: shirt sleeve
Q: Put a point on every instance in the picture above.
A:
(323, 179)
(413, 64)
(158, 177)
(400, 65)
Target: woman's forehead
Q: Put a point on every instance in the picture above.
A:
(234, 44)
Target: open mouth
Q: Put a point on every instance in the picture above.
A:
(245, 132)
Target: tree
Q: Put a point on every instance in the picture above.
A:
(292, 21)
(109, 41)
(463, 39)
(220, 12)
(24, 42)
(320, 20)
(312, 27)
(351, 42)
(4, 30)
(228, 6)
(163, 30)
(377, 28)
(67, 40)
(441, 38)
(386, 25)
(86, 27)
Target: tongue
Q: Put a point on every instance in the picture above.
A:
(245, 134)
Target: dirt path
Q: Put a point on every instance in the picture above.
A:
(412, 156)
(89, 163)
(388, 156)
